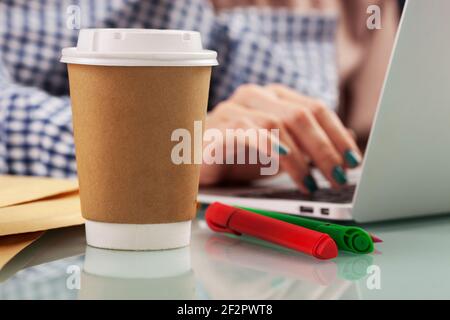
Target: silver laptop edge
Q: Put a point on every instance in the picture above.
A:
(406, 172)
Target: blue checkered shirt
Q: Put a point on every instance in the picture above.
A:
(254, 45)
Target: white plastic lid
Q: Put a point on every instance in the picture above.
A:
(139, 47)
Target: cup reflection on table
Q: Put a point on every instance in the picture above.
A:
(111, 274)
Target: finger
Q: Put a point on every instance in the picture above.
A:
(292, 159)
(317, 144)
(338, 134)
(294, 163)
(328, 120)
(302, 126)
(234, 116)
(352, 133)
(256, 97)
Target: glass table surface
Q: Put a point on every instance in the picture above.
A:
(413, 262)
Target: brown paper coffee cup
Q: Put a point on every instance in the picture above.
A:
(123, 120)
(125, 109)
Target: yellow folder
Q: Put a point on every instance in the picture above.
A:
(31, 205)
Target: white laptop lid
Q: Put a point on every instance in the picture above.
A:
(407, 165)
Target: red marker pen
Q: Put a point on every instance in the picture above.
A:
(223, 218)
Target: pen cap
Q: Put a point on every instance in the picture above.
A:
(217, 216)
(359, 240)
(351, 239)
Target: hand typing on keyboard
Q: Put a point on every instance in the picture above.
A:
(308, 131)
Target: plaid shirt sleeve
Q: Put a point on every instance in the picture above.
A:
(35, 131)
(254, 46)
(36, 136)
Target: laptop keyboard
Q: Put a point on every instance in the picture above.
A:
(343, 195)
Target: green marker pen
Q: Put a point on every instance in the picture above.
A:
(352, 239)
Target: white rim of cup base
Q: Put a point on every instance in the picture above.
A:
(138, 237)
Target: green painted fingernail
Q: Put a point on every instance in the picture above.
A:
(339, 175)
(280, 149)
(310, 183)
(352, 159)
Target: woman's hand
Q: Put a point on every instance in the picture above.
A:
(308, 131)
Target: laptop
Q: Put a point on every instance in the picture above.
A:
(406, 168)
